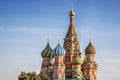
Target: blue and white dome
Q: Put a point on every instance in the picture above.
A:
(58, 50)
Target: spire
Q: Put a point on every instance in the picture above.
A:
(48, 40)
(72, 6)
(58, 39)
(90, 40)
(71, 29)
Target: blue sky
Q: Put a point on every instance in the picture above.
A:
(25, 26)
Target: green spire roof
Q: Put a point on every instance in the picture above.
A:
(47, 52)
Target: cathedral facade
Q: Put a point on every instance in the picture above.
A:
(65, 63)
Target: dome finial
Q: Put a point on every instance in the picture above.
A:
(58, 39)
(90, 40)
(48, 40)
(72, 6)
(72, 13)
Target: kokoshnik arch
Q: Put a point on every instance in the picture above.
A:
(65, 63)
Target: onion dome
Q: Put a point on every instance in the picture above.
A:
(77, 60)
(47, 52)
(58, 50)
(90, 49)
(72, 13)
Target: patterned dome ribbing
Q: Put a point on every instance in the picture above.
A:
(90, 49)
(58, 50)
(47, 52)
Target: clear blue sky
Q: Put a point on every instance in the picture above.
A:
(25, 26)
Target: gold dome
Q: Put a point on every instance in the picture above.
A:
(90, 49)
(72, 13)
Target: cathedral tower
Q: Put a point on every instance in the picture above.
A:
(59, 66)
(71, 46)
(89, 66)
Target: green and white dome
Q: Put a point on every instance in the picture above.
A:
(47, 52)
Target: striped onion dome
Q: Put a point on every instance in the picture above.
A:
(90, 49)
(58, 50)
(47, 52)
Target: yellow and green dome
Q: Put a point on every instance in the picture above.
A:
(47, 52)
(77, 60)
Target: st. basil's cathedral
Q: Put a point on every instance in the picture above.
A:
(65, 63)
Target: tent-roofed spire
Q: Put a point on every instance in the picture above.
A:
(71, 29)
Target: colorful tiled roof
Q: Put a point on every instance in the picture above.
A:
(47, 52)
(58, 50)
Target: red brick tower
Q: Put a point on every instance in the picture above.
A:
(71, 46)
